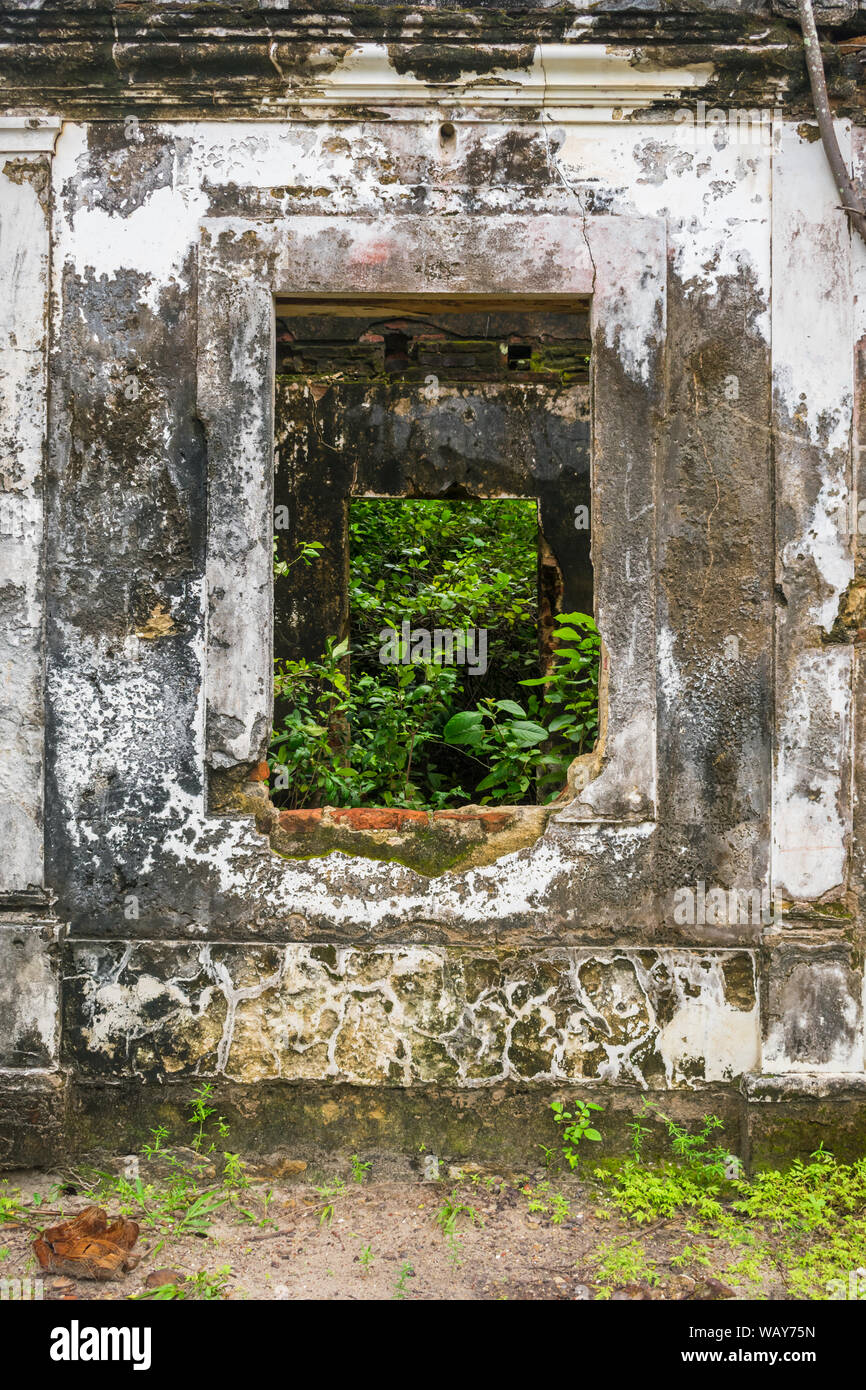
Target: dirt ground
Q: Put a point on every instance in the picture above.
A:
(379, 1240)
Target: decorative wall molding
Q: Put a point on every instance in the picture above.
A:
(29, 134)
(570, 79)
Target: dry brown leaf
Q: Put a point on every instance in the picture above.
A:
(87, 1247)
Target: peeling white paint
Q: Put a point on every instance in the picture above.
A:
(811, 795)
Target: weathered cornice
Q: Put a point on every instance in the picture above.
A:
(272, 60)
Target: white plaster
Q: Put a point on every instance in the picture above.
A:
(28, 134)
(811, 818)
(23, 399)
(152, 240)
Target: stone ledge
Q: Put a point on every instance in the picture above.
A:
(28, 134)
(430, 842)
(790, 1116)
(794, 1086)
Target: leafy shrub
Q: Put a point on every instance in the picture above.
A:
(429, 734)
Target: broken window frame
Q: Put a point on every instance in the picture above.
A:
(619, 263)
(341, 386)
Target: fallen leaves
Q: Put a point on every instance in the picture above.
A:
(87, 1247)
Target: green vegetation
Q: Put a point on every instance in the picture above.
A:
(190, 1191)
(801, 1231)
(406, 1272)
(692, 1182)
(328, 1193)
(575, 1125)
(360, 1170)
(624, 1262)
(687, 1225)
(452, 1208)
(543, 1200)
(198, 1288)
(416, 732)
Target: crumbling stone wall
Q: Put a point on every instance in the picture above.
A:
(160, 185)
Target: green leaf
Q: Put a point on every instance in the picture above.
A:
(561, 721)
(526, 732)
(509, 707)
(467, 725)
(492, 780)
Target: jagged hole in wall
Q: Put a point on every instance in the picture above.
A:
(431, 528)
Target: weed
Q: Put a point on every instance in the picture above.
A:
(542, 1199)
(624, 1264)
(691, 1256)
(809, 1196)
(638, 1134)
(200, 1288)
(360, 1171)
(11, 1207)
(691, 1183)
(258, 1218)
(576, 1125)
(455, 1250)
(201, 1112)
(645, 1194)
(802, 1229)
(159, 1134)
(329, 1192)
(234, 1171)
(452, 1209)
(406, 1272)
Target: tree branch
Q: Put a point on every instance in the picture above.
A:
(853, 204)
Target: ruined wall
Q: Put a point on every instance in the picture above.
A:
(171, 186)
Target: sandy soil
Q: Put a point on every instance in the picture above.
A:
(381, 1241)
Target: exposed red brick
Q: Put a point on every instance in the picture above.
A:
(370, 818)
(300, 820)
(261, 774)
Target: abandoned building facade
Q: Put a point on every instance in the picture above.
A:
(637, 197)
